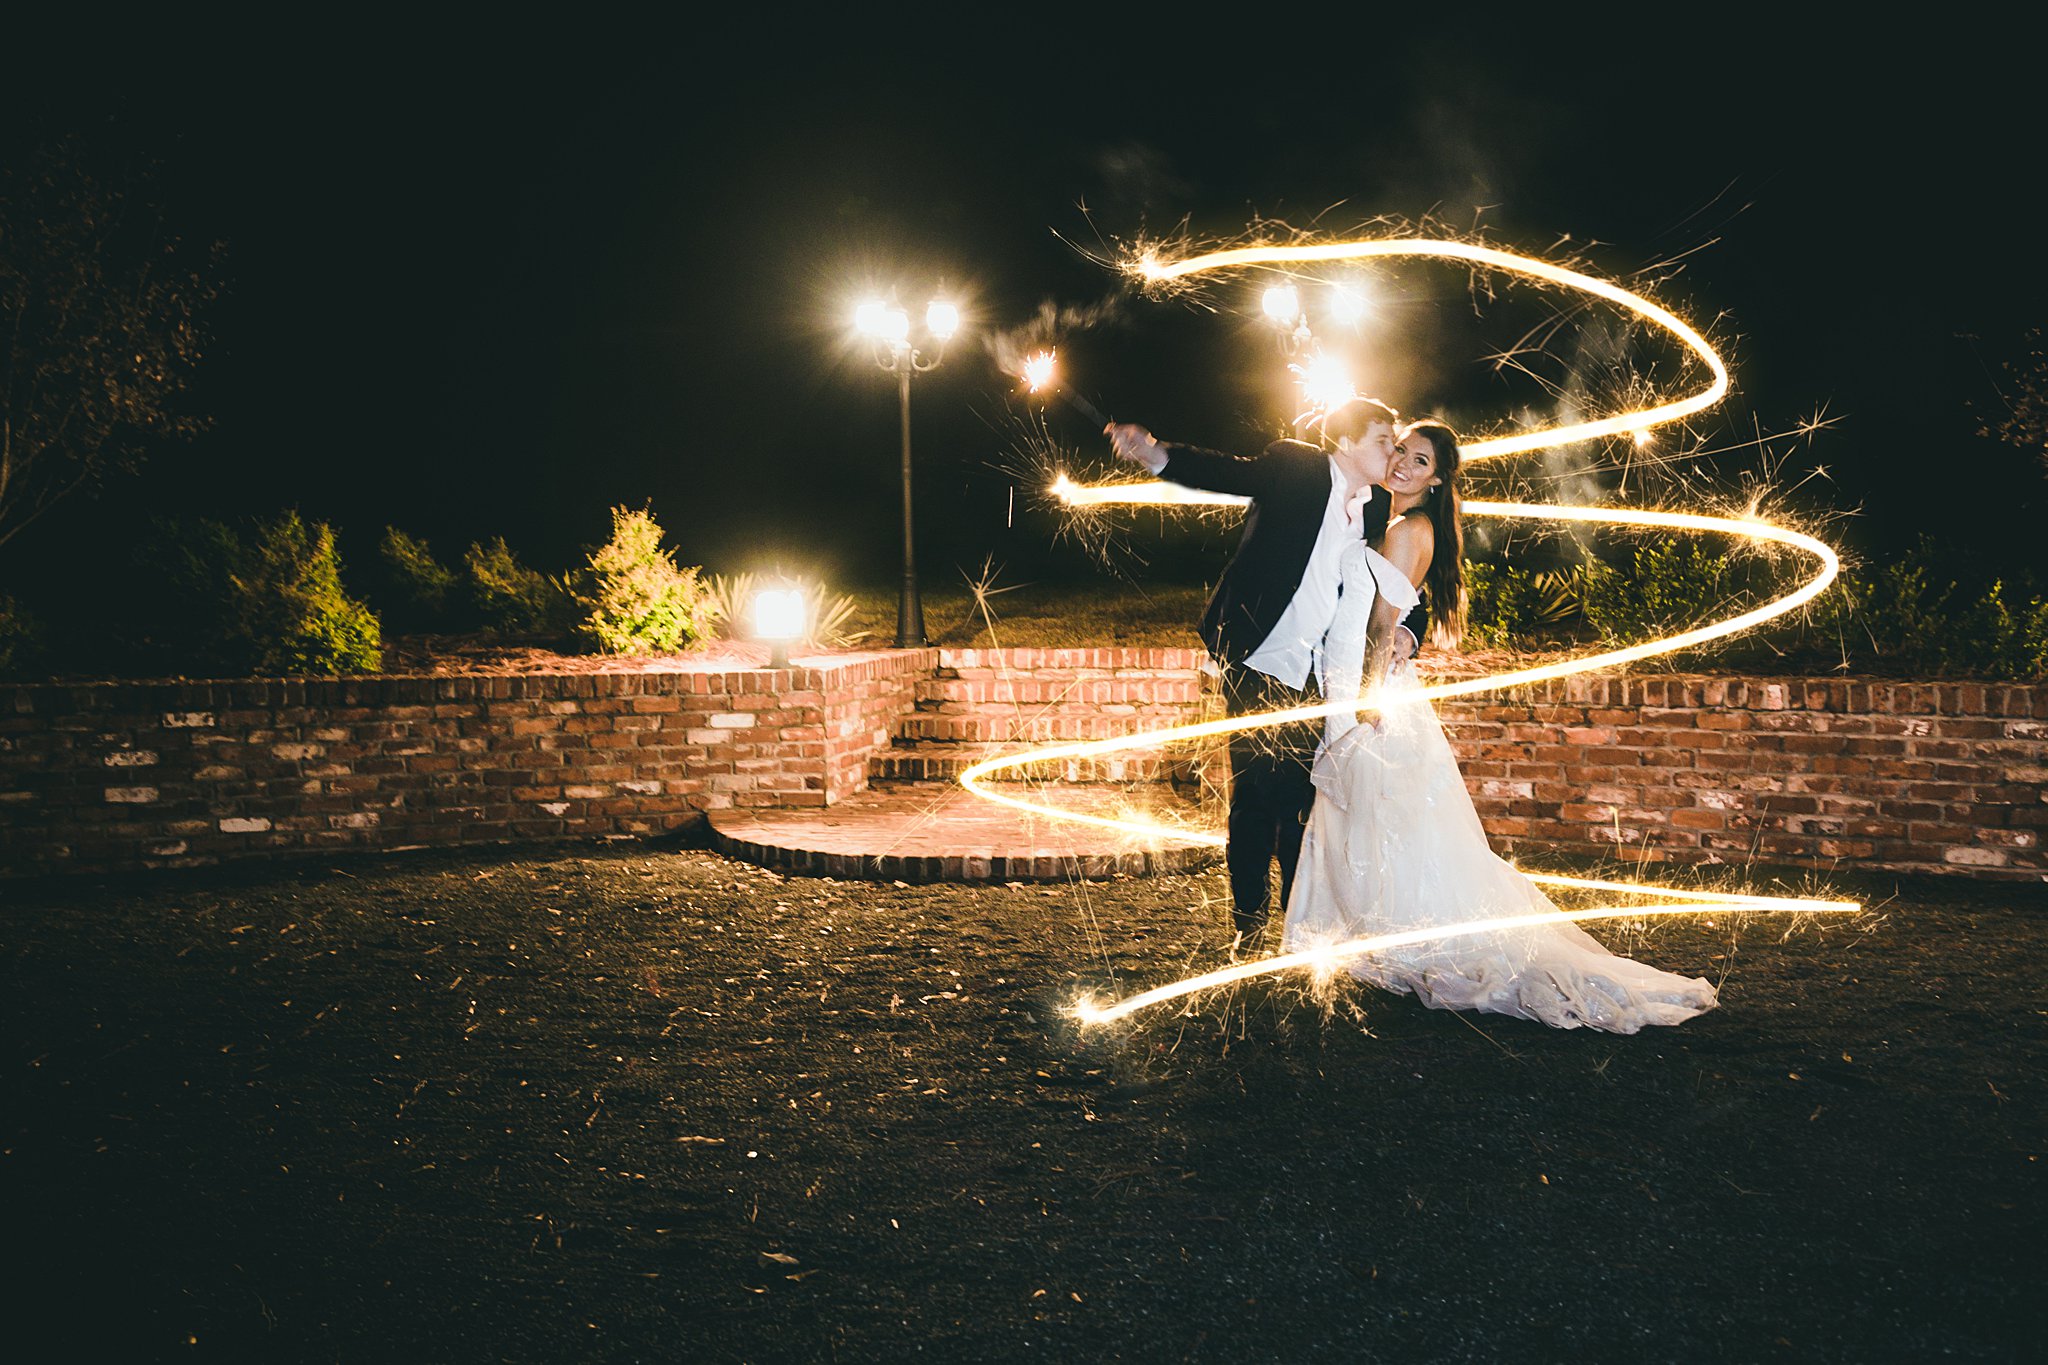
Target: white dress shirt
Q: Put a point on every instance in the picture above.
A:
(1288, 653)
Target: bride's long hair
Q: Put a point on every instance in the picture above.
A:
(1445, 578)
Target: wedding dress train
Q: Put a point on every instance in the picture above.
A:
(1394, 844)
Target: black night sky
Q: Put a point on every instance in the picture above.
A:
(491, 282)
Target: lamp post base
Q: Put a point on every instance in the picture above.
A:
(909, 617)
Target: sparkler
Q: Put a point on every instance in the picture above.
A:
(1041, 375)
(1637, 424)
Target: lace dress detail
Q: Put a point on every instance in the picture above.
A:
(1394, 844)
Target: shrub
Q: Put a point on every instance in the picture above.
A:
(1506, 604)
(186, 615)
(1911, 619)
(209, 598)
(729, 604)
(639, 602)
(826, 615)
(422, 590)
(291, 613)
(512, 599)
(18, 636)
(1668, 584)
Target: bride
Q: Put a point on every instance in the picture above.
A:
(1394, 844)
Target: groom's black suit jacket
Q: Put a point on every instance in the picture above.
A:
(1289, 486)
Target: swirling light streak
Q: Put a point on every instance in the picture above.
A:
(1829, 566)
(1636, 424)
(1156, 271)
(1326, 957)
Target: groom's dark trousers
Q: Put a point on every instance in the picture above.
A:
(1270, 791)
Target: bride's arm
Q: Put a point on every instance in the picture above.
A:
(1344, 650)
(1408, 546)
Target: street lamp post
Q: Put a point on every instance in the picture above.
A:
(888, 328)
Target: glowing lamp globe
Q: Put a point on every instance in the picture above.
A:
(1282, 304)
(1347, 305)
(779, 618)
(871, 318)
(941, 319)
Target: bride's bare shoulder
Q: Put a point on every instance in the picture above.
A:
(1408, 545)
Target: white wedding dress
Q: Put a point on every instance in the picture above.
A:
(1394, 844)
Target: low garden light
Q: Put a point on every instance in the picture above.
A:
(778, 619)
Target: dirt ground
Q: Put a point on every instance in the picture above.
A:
(639, 1102)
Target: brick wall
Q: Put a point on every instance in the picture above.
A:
(985, 701)
(1934, 777)
(1924, 777)
(119, 775)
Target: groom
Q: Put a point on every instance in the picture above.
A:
(1270, 610)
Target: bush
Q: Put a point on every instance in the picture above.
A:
(184, 607)
(827, 615)
(729, 607)
(1669, 584)
(211, 599)
(1912, 618)
(291, 613)
(19, 637)
(638, 601)
(1505, 605)
(512, 599)
(421, 589)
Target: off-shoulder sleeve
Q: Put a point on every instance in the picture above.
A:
(1393, 585)
(1341, 660)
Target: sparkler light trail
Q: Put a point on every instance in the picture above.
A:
(1327, 957)
(1636, 424)
(1155, 271)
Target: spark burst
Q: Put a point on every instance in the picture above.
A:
(1634, 425)
(1041, 374)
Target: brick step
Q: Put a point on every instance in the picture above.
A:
(1105, 659)
(1009, 727)
(933, 832)
(941, 762)
(985, 688)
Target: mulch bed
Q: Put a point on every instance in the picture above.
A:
(644, 1103)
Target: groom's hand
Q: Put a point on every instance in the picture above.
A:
(1132, 442)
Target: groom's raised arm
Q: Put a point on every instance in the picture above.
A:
(1214, 472)
(1193, 466)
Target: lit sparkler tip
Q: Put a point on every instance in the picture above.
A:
(1084, 1010)
(1039, 369)
(1325, 382)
